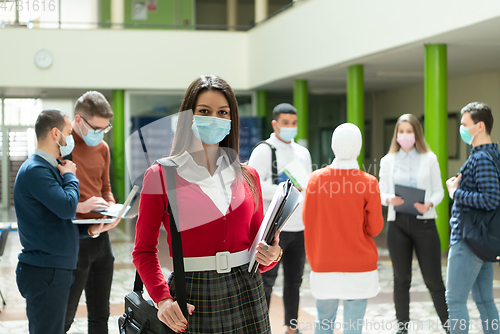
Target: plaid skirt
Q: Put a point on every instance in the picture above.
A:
(232, 302)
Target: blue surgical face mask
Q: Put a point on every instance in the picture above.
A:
(466, 136)
(92, 138)
(287, 134)
(211, 130)
(70, 144)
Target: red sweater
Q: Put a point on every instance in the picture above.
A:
(341, 213)
(232, 232)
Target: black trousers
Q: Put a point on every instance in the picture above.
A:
(405, 234)
(46, 292)
(293, 260)
(94, 273)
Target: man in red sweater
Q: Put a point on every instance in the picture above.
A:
(94, 271)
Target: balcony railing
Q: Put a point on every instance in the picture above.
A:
(51, 14)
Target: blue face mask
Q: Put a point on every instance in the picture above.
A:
(70, 144)
(92, 138)
(466, 136)
(211, 130)
(287, 134)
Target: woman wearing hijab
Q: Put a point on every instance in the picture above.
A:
(410, 163)
(341, 214)
(219, 205)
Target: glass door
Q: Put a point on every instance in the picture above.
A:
(17, 141)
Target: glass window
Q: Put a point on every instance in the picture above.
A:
(22, 112)
(18, 145)
(244, 105)
(151, 105)
(7, 12)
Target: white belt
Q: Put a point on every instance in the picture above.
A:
(222, 262)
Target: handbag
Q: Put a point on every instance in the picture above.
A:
(140, 315)
(481, 230)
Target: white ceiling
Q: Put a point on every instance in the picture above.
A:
(474, 49)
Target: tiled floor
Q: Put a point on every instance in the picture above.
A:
(379, 318)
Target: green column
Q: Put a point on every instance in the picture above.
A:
(262, 111)
(436, 117)
(105, 13)
(262, 103)
(119, 143)
(356, 103)
(300, 102)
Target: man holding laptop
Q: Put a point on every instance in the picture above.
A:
(94, 271)
(46, 198)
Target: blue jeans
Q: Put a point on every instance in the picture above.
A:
(469, 274)
(354, 312)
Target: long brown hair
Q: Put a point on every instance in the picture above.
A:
(184, 134)
(420, 142)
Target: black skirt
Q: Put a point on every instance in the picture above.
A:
(232, 302)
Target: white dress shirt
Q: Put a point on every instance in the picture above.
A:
(261, 160)
(218, 186)
(427, 178)
(406, 168)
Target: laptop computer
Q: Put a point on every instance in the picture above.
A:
(124, 209)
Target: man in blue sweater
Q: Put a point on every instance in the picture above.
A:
(45, 198)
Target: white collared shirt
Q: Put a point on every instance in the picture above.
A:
(218, 186)
(285, 153)
(406, 168)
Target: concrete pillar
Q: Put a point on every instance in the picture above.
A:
(117, 13)
(261, 10)
(232, 14)
(5, 175)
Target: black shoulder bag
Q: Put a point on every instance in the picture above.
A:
(274, 166)
(141, 315)
(481, 231)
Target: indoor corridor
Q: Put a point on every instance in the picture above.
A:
(380, 315)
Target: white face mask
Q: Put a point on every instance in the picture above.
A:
(70, 145)
(287, 134)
